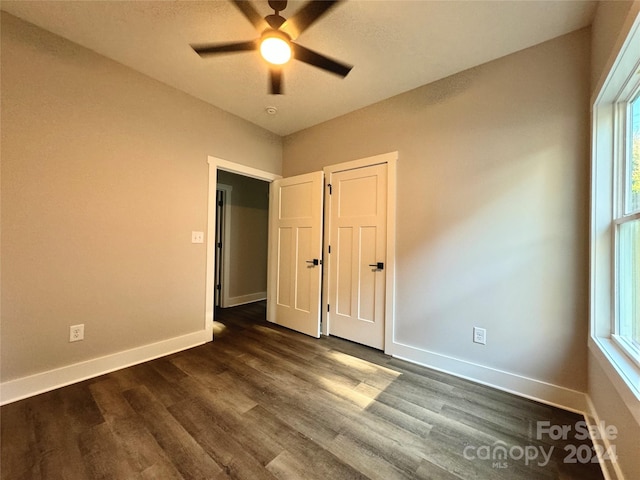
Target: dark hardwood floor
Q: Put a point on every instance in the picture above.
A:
(262, 402)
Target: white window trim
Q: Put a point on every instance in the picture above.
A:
(621, 368)
(625, 345)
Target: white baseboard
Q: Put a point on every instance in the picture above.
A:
(610, 469)
(543, 392)
(244, 299)
(24, 387)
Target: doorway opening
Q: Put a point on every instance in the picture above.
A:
(216, 165)
(242, 216)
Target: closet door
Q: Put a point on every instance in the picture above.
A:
(357, 237)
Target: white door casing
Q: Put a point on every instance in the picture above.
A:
(357, 238)
(216, 164)
(295, 252)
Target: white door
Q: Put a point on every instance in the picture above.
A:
(295, 252)
(357, 237)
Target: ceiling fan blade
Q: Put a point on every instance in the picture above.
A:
(251, 14)
(317, 60)
(212, 49)
(275, 75)
(306, 16)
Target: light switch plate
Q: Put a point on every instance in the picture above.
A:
(197, 237)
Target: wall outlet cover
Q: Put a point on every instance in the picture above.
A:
(76, 333)
(480, 335)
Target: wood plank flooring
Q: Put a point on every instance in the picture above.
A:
(262, 402)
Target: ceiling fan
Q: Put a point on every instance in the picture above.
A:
(276, 44)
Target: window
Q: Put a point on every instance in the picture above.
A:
(615, 221)
(627, 227)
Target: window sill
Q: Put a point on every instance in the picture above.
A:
(612, 357)
(627, 347)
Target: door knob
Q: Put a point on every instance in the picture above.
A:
(379, 265)
(314, 262)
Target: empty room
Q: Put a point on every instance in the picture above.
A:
(359, 239)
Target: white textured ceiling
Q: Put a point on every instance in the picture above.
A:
(394, 45)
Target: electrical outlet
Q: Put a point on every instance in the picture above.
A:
(480, 335)
(76, 333)
(197, 237)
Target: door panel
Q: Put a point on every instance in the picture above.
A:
(305, 273)
(344, 270)
(285, 264)
(367, 274)
(358, 231)
(295, 239)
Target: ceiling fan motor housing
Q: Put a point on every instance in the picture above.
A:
(275, 21)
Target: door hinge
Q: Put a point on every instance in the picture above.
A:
(328, 307)
(329, 248)
(330, 188)
(219, 244)
(220, 203)
(218, 287)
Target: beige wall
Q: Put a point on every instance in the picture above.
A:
(104, 176)
(610, 27)
(492, 214)
(606, 31)
(249, 207)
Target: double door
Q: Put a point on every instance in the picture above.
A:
(348, 209)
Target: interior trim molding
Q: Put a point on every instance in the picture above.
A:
(20, 388)
(610, 469)
(244, 299)
(530, 388)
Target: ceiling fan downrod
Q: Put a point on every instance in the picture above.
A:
(275, 21)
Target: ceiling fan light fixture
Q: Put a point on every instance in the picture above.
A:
(275, 48)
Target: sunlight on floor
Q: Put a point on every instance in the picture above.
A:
(362, 394)
(361, 365)
(351, 394)
(218, 328)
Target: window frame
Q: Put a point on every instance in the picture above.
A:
(629, 93)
